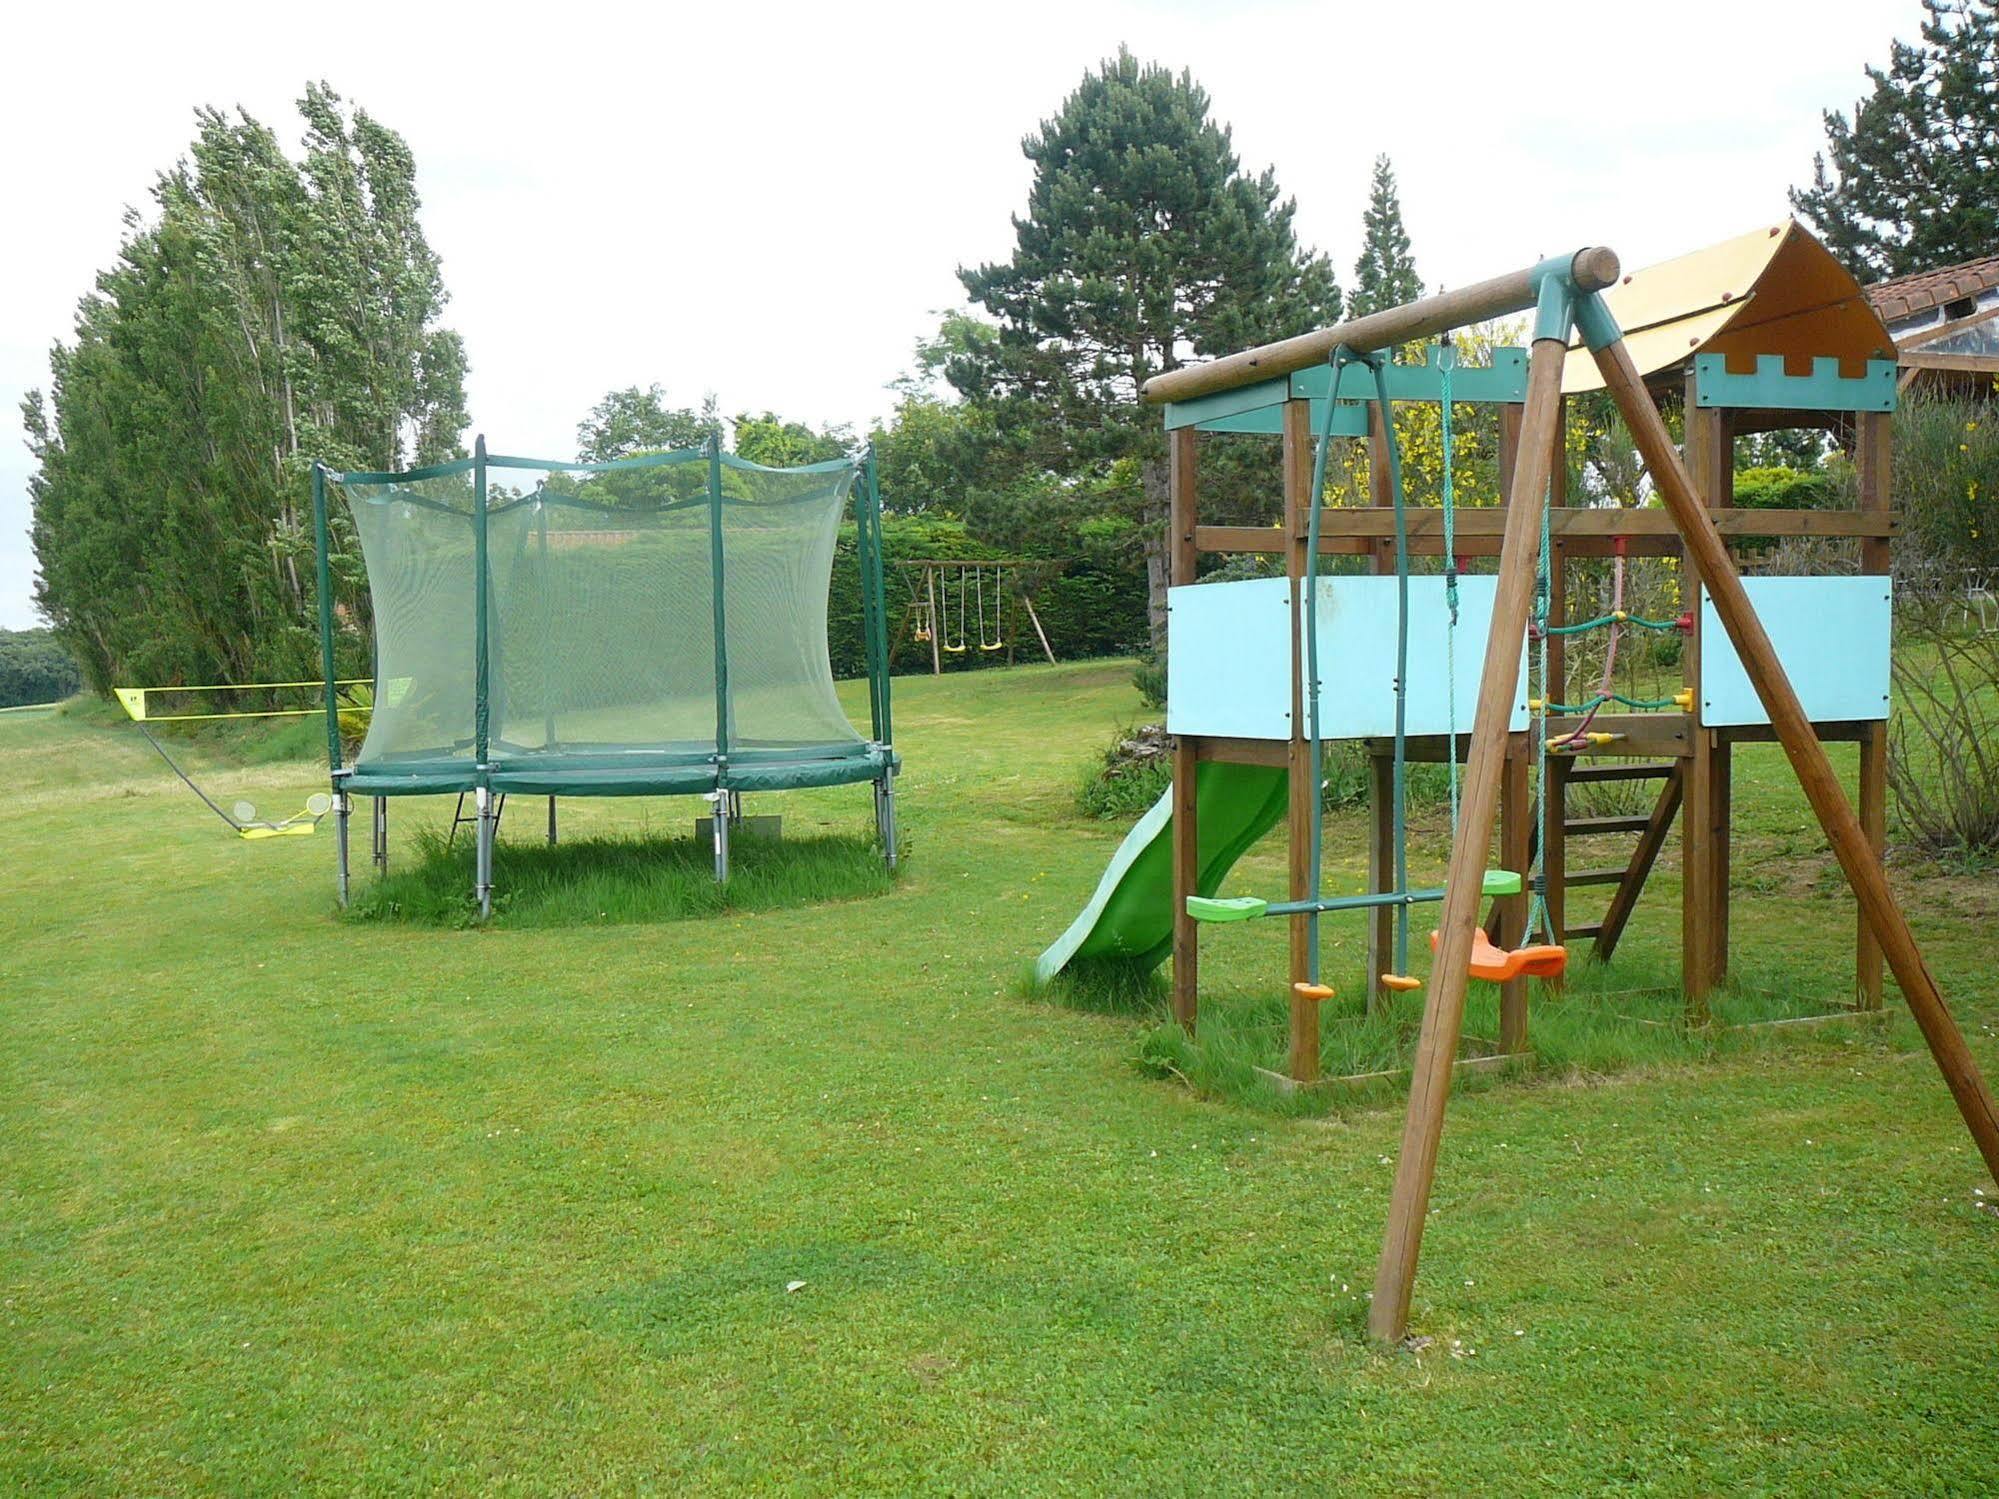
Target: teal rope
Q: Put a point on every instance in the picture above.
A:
(1447, 359)
(1611, 697)
(1339, 358)
(1380, 364)
(1537, 906)
(1611, 619)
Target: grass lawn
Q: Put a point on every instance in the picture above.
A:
(814, 1200)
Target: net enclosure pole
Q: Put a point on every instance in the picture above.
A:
(1443, 1005)
(1849, 840)
(874, 582)
(720, 617)
(1586, 270)
(323, 561)
(481, 682)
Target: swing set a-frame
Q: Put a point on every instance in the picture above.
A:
(1566, 297)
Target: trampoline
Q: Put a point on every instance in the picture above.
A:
(654, 626)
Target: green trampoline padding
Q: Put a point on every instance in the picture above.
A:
(667, 772)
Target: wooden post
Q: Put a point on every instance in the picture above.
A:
(1721, 766)
(1516, 823)
(1873, 435)
(1303, 1065)
(1807, 756)
(1706, 463)
(1443, 1004)
(1183, 514)
(936, 624)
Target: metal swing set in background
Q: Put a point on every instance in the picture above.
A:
(930, 619)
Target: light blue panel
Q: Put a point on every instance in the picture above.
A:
(1228, 662)
(1831, 635)
(1228, 659)
(1357, 629)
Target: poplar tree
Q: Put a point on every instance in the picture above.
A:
(1144, 245)
(270, 312)
(1385, 275)
(1911, 180)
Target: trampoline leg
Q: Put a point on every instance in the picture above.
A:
(381, 849)
(483, 861)
(720, 822)
(885, 817)
(551, 822)
(342, 804)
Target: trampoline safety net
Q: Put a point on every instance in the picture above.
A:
(582, 657)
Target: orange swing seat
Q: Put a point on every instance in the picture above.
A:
(1496, 965)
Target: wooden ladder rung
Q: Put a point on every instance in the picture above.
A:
(1619, 770)
(1586, 826)
(1587, 929)
(1596, 876)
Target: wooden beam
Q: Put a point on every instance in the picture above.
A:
(1242, 751)
(1707, 461)
(1590, 269)
(1443, 1005)
(1182, 513)
(1340, 525)
(1807, 756)
(1303, 1060)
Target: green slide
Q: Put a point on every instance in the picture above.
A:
(1131, 914)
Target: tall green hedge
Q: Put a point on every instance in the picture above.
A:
(1088, 605)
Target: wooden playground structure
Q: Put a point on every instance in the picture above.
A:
(983, 586)
(1762, 333)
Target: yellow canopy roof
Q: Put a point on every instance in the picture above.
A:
(1775, 290)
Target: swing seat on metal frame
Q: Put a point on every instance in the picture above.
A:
(1540, 960)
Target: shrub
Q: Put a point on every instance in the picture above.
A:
(1943, 741)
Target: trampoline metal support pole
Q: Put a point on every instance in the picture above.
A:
(885, 815)
(342, 805)
(551, 822)
(719, 821)
(380, 847)
(483, 857)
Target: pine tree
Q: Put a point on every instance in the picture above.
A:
(1144, 244)
(1385, 275)
(1913, 178)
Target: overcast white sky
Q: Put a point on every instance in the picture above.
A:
(769, 201)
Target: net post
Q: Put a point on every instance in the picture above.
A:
(323, 562)
(716, 586)
(481, 665)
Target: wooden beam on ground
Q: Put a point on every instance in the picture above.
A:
(1807, 756)
(1443, 1005)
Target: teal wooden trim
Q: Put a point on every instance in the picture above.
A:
(1259, 407)
(1771, 389)
(1504, 381)
(720, 614)
(482, 675)
(1203, 410)
(1349, 421)
(323, 546)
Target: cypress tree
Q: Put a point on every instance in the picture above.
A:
(1385, 275)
